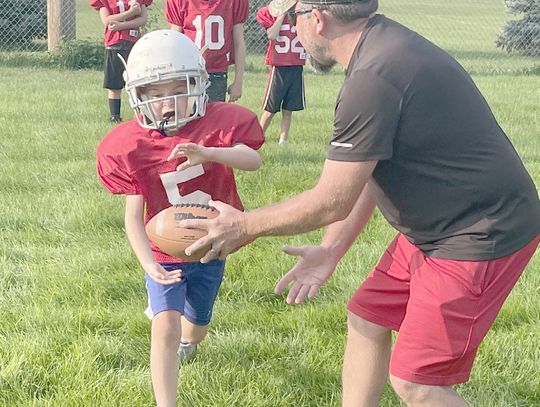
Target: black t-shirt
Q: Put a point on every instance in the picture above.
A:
(448, 178)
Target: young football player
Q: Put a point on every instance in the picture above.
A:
(176, 150)
(216, 26)
(286, 58)
(122, 20)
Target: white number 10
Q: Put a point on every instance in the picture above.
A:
(210, 24)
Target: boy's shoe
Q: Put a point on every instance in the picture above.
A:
(115, 119)
(282, 142)
(186, 352)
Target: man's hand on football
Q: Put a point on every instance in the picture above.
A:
(194, 153)
(226, 233)
(311, 271)
(160, 275)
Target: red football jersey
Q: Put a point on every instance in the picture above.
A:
(132, 161)
(210, 22)
(286, 49)
(115, 7)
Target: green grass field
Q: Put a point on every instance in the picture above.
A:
(72, 294)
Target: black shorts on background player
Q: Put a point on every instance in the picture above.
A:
(114, 68)
(285, 89)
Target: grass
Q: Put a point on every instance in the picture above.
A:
(72, 294)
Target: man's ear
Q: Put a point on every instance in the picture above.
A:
(321, 19)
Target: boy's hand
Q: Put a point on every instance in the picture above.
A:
(116, 26)
(162, 276)
(194, 153)
(234, 91)
(135, 8)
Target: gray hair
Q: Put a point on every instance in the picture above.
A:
(350, 12)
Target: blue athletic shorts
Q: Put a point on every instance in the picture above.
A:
(193, 296)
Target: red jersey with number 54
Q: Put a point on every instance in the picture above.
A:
(286, 49)
(210, 23)
(133, 161)
(115, 7)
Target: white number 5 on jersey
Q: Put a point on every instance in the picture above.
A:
(171, 180)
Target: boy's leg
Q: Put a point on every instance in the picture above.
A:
(166, 333)
(365, 365)
(202, 285)
(193, 333)
(293, 100)
(286, 117)
(113, 78)
(266, 119)
(115, 97)
(273, 97)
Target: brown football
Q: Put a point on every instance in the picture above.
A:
(169, 237)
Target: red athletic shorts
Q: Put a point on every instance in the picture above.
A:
(441, 308)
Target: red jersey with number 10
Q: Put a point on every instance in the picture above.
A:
(116, 7)
(286, 49)
(133, 161)
(210, 23)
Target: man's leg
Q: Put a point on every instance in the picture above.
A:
(365, 366)
(421, 395)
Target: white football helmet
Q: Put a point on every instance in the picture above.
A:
(163, 56)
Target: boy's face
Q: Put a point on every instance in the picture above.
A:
(162, 100)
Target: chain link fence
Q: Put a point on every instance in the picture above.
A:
(486, 36)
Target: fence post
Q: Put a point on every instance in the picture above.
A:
(61, 22)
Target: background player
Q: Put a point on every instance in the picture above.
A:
(122, 20)
(219, 26)
(177, 150)
(286, 58)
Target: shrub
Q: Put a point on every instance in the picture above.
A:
(22, 21)
(80, 54)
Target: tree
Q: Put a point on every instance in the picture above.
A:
(522, 36)
(22, 21)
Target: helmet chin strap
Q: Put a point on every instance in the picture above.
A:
(162, 125)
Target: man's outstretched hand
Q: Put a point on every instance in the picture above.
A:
(313, 268)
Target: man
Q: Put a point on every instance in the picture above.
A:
(414, 136)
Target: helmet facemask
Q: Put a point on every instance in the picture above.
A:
(183, 107)
(164, 59)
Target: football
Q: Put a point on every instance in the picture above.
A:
(170, 238)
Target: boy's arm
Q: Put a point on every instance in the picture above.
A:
(134, 223)
(108, 18)
(273, 32)
(131, 24)
(239, 156)
(235, 89)
(176, 28)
